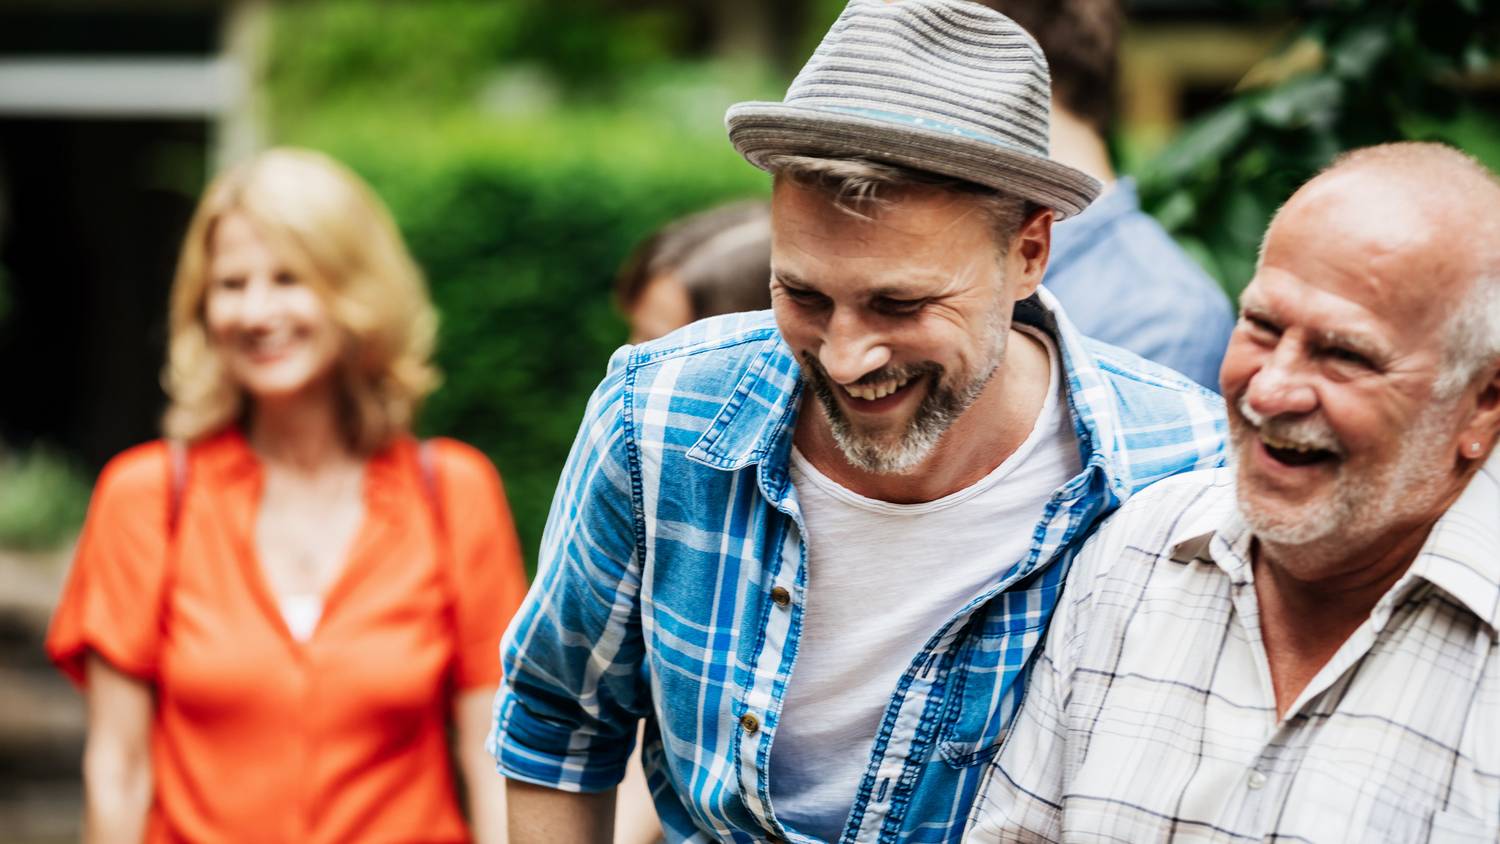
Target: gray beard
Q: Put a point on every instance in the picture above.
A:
(1356, 506)
(940, 408)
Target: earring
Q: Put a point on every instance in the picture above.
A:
(1474, 448)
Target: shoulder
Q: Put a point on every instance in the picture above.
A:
(709, 352)
(462, 465)
(1140, 248)
(1147, 390)
(702, 366)
(140, 473)
(1147, 526)
(1183, 499)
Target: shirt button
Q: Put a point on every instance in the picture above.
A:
(780, 597)
(1256, 781)
(749, 722)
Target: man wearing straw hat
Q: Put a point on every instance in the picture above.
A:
(815, 550)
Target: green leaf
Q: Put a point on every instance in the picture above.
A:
(1304, 101)
(1477, 58)
(1176, 210)
(1204, 143)
(1356, 54)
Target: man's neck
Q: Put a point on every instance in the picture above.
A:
(980, 440)
(1076, 144)
(1305, 621)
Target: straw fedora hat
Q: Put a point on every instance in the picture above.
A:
(943, 86)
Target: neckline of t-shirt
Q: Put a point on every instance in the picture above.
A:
(1040, 427)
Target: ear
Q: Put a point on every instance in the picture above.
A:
(1026, 262)
(1483, 426)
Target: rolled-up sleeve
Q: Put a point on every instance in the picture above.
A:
(568, 704)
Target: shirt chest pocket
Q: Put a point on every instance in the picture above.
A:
(985, 687)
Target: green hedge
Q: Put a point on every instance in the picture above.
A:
(43, 497)
(520, 229)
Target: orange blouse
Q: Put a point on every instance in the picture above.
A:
(260, 737)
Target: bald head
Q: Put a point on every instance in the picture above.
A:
(1427, 219)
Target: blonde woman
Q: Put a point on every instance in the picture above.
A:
(279, 612)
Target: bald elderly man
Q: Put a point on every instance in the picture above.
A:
(1302, 647)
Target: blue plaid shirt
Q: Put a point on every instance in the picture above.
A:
(675, 520)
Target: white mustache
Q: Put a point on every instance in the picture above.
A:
(1306, 432)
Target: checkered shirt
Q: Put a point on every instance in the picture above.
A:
(1150, 715)
(673, 575)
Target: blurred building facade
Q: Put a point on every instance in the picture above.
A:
(110, 117)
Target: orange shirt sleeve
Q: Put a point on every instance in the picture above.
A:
(489, 575)
(113, 597)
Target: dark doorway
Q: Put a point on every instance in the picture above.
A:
(95, 213)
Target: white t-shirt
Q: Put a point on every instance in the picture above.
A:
(882, 578)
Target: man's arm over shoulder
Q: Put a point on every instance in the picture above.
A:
(567, 707)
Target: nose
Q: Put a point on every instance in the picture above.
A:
(1283, 384)
(258, 303)
(851, 349)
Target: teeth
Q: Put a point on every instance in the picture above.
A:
(1287, 445)
(875, 391)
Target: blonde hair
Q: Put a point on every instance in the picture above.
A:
(319, 211)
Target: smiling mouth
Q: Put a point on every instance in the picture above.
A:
(262, 349)
(1289, 453)
(880, 395)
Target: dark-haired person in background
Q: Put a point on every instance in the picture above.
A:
(709, 263)
(1117, 272)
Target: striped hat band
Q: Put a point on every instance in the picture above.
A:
(944, 86)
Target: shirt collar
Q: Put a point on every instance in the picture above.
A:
(1214, 518)
(1461, 556)
(756, 424)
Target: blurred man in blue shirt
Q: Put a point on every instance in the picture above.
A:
(1118, 274)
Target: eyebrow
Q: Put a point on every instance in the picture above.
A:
(1356, 343)
(1324, 338)
(886, 291)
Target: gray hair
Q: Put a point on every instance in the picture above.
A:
(1473, 338)
(859, 186)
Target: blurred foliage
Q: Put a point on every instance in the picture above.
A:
(441, 53)
(524, 151)
(520, 232)
(1352, 74)
(43, 498)
(518, 189)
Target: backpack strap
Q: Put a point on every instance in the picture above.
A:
(177, 457)
(427, 463)
(432, 486)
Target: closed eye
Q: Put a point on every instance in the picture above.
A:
(1261, 325)
(803, 296)
(898, 307)
(1348, 356)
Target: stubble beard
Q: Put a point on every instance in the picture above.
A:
(938, 410)
(1359, 506)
